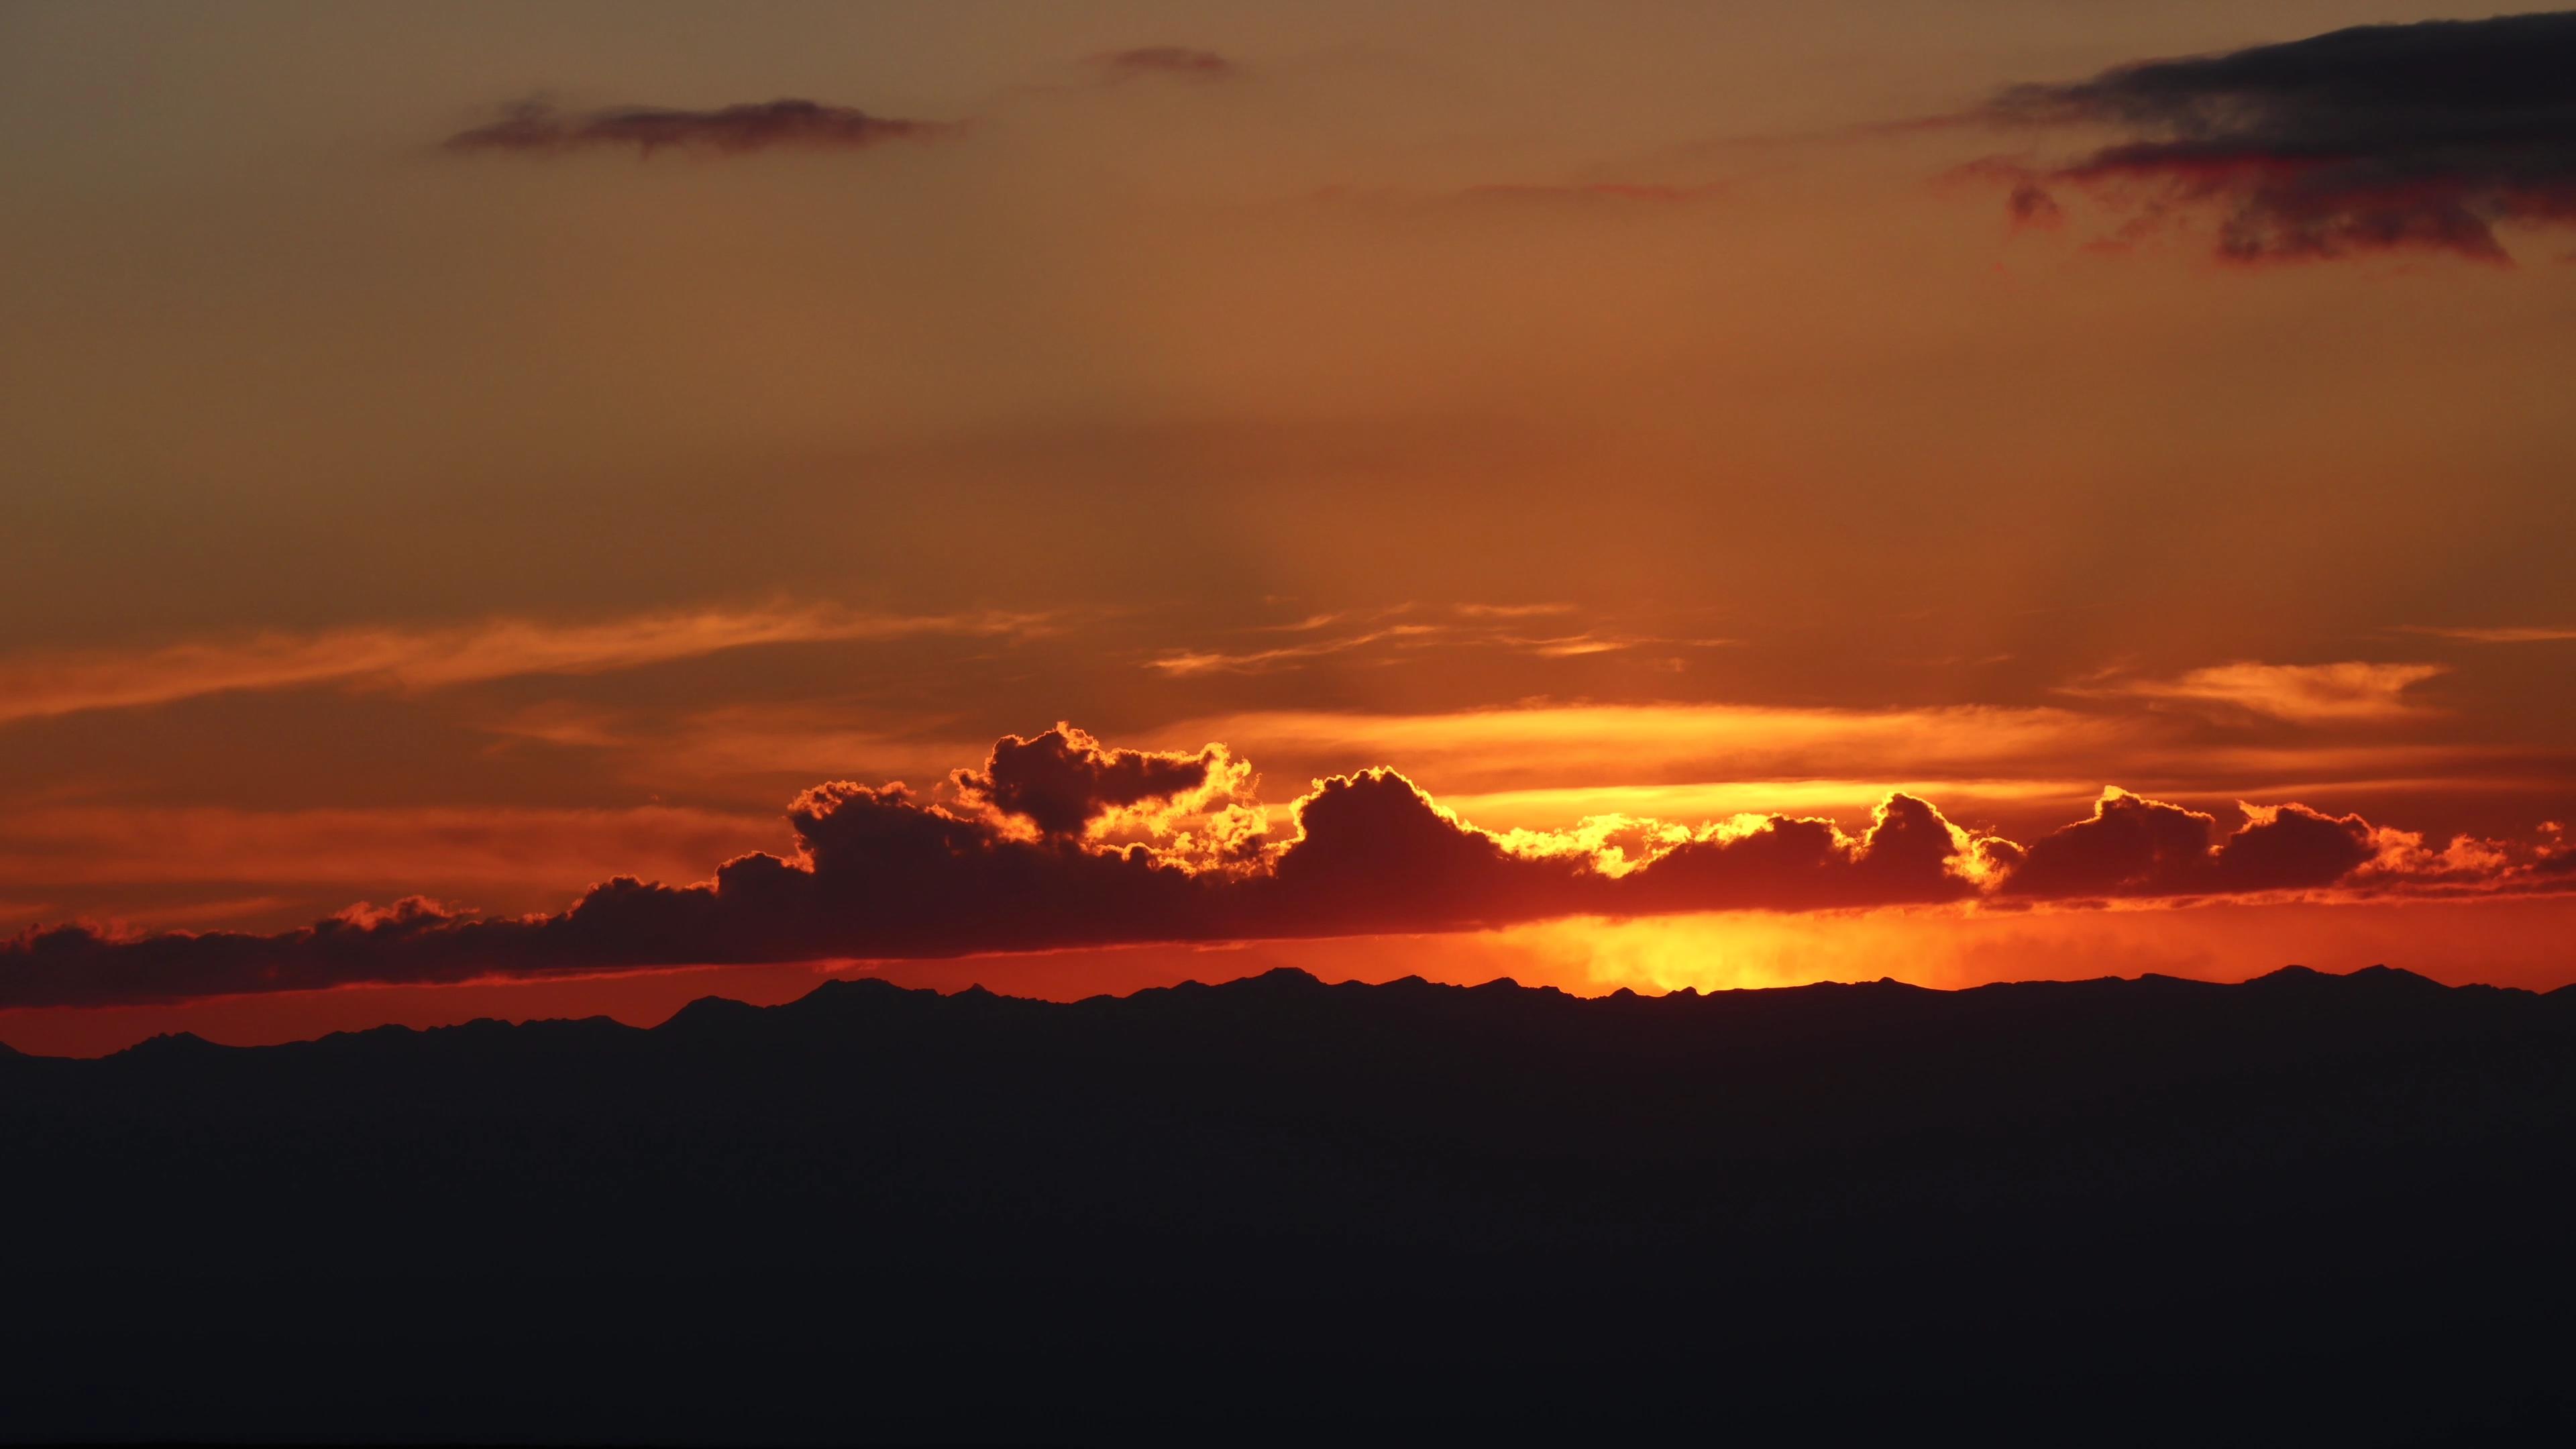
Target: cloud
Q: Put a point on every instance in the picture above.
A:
(2507, 634)
(1483, 630)
(1910, 855)
(1509, 611)
(480, 847)
(2378, 138)
(1016, 855)
(1256, 661)
(539, 128)
(1064, 781)
(38, 685)
(1611, 192)
(2347, 693)
(2133, 846)
(1172, 60)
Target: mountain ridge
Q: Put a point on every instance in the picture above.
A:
(1289, 983)
(2302, 1207)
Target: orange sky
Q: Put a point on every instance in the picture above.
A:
(1669, 412)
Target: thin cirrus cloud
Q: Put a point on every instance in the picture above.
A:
(1059, 841)
(1485, 630)
(2379, 138)
(472, 847)
(2344, 693)
(1166, 60)
(543, 129)
(2501, 634)
(39, 685)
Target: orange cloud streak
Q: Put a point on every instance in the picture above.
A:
(41, 684)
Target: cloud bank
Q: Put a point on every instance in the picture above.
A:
(1058, 841)
(2379, 138)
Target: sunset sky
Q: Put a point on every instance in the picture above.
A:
(457, 460)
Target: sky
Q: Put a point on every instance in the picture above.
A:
(1643, 495)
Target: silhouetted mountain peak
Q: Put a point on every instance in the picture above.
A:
(854, 993)
(2373, 979)
(171, 1046)
(2395, 978)
(710, 1013)
(1278, 980)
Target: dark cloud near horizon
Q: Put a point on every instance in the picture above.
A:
(538, 127)
(2133, 846)
(1010, 862)
(2376, 138)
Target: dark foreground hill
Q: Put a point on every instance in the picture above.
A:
(2304, 1209)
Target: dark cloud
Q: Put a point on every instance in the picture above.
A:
(1167, 60)
(1373, 852)
(2376, 138)
(1909, 855)
(538, 127)
(1063, 780)
(2133, 846)
(1011, 857)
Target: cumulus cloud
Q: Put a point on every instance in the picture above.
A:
(2133, 846)
(1022, 854)
(1064, 782)
(540, 128)
(2378, 138)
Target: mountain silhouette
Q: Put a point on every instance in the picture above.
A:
(2303, 1208)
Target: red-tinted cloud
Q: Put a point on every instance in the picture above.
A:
(2376, 138)
(535, 127)
(1012, 856)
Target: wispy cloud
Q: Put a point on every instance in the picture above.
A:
(1171, 60)
(1251, 661)
(2345, 693)
(403, 849)
(38, 685)
(1510, 611)
(2506, 634)
(1475, 626)
(540, 128)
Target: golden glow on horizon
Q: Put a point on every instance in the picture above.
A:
(2515, 942)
